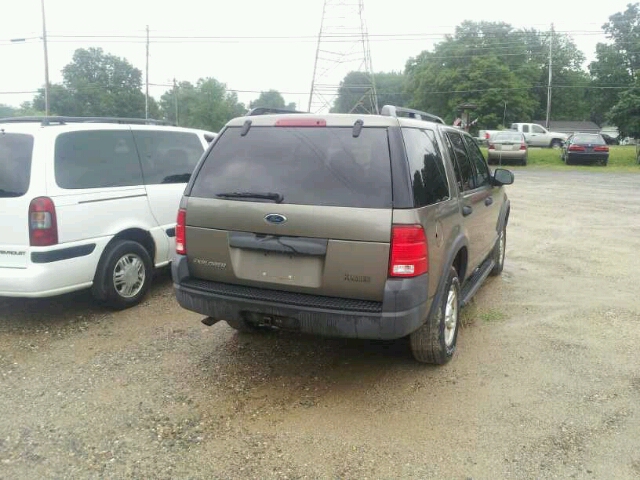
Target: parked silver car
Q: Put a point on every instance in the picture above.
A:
(507, 146)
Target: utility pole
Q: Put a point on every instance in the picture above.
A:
(504, 115)
(46, 62)
(146, 95)
(550, 75)
(175, 98)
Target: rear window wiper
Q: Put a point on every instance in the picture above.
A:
(276, 197)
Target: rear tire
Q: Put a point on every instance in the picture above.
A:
(435, 341)
(555, 143)
(123, 275)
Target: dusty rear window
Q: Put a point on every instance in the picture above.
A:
(15, 163)
(303, 165)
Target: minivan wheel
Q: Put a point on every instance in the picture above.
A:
(124, 275)
(498, 252)
(435, 341)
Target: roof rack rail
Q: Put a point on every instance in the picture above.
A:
(268, 110)
(61, 120)
(393, 111)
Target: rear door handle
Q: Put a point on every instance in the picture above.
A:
(488, 201)
(466, 210)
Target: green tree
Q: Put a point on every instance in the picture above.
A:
(492, 65)
(390, 90)
(96, 83)
(625, 114)
(617, 64)
(607, 74)
(7, 111)
(207, 104)
(271, 99)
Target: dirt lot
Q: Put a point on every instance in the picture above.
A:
(545, 384)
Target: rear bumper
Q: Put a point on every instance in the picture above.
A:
(506, 154)
(52, 271)
(403, 310)
(587, 157)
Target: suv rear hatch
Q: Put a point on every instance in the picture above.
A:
(15, 176)
(294, 207)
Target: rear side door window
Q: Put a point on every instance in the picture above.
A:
(167, 157)
(428, 176)
(96, 159)
(482, 177)
(465, 174)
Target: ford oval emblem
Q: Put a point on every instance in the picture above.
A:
(275, 218)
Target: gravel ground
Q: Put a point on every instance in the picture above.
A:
(545, 383)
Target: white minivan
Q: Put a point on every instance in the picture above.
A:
(90, 203)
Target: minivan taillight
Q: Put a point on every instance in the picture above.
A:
(409, 251)
(181, 232)
(43, 225)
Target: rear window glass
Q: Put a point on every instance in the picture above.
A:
(306, 166)
(15, 163)
(593, 139)
(97, 159)
(507, 137)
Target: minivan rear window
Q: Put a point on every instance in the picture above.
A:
(324, 166)
(15, 163)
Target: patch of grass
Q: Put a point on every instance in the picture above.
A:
(470, 314)
(491, 316)
(622, 158)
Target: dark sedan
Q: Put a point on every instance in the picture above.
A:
(585, 148)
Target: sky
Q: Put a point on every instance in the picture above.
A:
(241, 50)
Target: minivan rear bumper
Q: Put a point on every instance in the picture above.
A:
(52, 271)
(403, 310)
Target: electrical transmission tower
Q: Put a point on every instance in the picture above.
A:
(343, 47)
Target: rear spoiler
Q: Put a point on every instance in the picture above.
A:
(267, 110)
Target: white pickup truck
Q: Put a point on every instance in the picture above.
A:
(534, 134)
(538, 136)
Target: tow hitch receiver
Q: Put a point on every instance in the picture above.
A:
(208, 321)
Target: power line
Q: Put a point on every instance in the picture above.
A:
(110, 38)
(380, 92)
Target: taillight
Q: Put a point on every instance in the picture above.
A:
(409, 251)
(523, 146)
(603, 148)
(492, 146)
(181, 232)
(43, 225)
(576, 148)
(486, 135)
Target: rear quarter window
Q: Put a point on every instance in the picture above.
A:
(428, 176)
(97, 159)
(324, 166)
(15, 163)
(166, 156)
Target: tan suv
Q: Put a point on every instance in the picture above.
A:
(365, 226)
